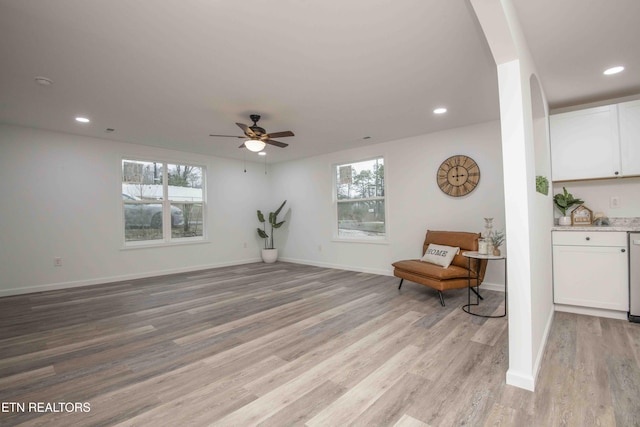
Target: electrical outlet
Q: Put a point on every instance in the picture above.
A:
(57, 262)
(614, 202)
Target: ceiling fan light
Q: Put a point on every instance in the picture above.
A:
(254, 145)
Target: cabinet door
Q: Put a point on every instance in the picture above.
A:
(585, 144)
(629, 116)
(591, 276)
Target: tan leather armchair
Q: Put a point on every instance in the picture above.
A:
(439, 278)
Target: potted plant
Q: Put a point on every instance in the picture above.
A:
(564, 201)
(269, 253)
(497, 239)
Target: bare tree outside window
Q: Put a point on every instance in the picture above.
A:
(182, 180)
(155, 193)
(360, 199)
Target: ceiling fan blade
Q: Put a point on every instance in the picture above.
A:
(276, 143)
(230, 136)
(247, 130)
(280, 134)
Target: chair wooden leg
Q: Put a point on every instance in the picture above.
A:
(401, 280)
(441, 298)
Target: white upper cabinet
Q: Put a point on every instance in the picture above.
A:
(600, 142)
(585, 144)
(629, 117)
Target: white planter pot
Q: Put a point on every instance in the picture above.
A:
(269, 256)
(564, 220)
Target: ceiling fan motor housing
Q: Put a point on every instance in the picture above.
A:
(258, 130)
(255, 128)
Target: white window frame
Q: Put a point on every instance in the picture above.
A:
(335, 227)
(167, 238)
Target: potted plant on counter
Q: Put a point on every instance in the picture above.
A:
(564, 201)
(269, 253)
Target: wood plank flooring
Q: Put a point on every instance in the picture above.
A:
(291, 345)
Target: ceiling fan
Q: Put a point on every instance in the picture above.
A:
(256, 137)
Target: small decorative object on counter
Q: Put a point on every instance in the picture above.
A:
(497, 239)
(483, 246)
(600, 219)
(564, 220)
(563, 202)
(581, 215)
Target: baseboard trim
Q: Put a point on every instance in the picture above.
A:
(520, 380)
(492, 286)
(543, 345)
(124, 277)
(102, 280)
(379, 271)
(588, 311)
(525, 380)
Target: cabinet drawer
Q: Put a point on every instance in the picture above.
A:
(590, 238)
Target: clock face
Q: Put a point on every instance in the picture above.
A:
(458, 175)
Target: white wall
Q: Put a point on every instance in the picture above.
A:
(414, 201)
(61, 198)
(541, 221)
(528, 215)
(597, 195)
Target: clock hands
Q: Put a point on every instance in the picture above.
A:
(459, 175)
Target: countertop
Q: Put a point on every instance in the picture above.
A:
(617, 224)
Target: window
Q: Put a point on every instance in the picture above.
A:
(360, 199)
(162, 201)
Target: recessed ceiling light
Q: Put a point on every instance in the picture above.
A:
(43, 81)
(82, 120)
(440, 110)
(262, 153)
(613, 70)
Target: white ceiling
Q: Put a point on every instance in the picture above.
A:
(573, 41)
(169, 73)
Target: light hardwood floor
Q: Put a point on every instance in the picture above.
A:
(287, 344)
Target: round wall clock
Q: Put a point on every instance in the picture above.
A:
(458, 175)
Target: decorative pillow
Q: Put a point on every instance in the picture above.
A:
(440, 254)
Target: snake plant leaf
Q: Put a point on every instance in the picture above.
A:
(279, 224)
(262, 234)
(272, 218)
(260, 216)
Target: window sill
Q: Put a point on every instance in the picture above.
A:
(383, 241)
(162, 244)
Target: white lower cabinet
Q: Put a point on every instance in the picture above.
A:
(591, 269)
